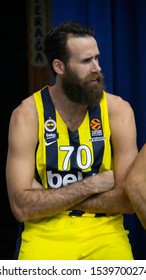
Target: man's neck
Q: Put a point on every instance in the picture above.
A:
(71, 112)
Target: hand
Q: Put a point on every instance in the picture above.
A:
(101, 182)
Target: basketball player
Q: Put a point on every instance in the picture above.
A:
(70, 148)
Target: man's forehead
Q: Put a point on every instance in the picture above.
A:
(83, 46)
(80, 40)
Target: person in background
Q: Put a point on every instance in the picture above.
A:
(70, 148)
(135, 185)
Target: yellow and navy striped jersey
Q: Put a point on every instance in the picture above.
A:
(64, 157)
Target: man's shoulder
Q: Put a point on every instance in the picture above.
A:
(25, 111)
(117, 105)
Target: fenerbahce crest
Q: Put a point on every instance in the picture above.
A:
(50, 134)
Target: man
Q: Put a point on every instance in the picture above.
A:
(135, 185)
(64, 141)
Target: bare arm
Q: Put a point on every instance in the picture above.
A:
(27, 198)
(123, 131)
(135, 185)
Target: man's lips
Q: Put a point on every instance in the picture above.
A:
(93, 81)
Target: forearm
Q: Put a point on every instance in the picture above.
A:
(38, 202)
(135, 185)
(137, 196)
(113, 201)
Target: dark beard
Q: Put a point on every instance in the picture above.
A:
(80, 91)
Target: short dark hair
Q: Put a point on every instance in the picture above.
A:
(55, 42)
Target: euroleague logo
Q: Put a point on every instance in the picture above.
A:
(95, 124)
(50, 125)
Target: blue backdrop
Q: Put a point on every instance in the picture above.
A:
(120, 30)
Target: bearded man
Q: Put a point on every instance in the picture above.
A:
(70, 148)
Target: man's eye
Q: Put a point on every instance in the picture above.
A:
(86, 60)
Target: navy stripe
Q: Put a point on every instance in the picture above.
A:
(18, 241)
(78, 213)
(98, 146)
(49, 113)
(74, 141)
(36, 170)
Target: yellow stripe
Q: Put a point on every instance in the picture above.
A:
(63, 140)
(41, 152)
(89, 215)
(106, 162)
(84, 136)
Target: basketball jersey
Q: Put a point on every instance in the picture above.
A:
(64, 157)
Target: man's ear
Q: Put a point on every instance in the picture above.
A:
(58, 66)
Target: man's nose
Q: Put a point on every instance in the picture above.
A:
(95, 66)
